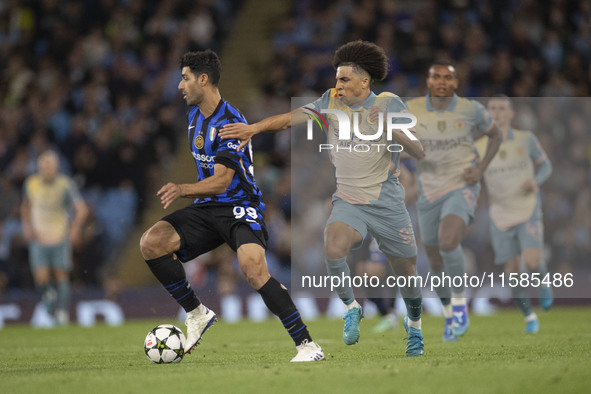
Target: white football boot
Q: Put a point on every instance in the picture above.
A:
(198, 321)
(308, 351)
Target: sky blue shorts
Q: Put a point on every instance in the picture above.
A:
(460, 202)
(56, 256)
(511, 242)
(389, 224)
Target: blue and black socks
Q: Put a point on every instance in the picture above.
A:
(171, 274)
(279, 302)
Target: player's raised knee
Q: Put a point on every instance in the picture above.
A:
(152, 244)
(147, 244)
(158, 240)
(336, 249)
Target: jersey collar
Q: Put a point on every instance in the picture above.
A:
(451, 107)
(369, 101)
(511, 134)
(215, 111)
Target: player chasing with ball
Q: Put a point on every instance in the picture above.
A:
(227, 208)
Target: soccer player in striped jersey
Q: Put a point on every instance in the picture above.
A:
(512, 180)
(369, 196)
(226, 208)
(449, 181)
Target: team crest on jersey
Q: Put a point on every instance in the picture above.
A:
(459, 124)
(376, 110)
(199, 142)
(503, 154)
(441, 125)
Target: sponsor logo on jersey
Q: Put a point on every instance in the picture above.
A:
(232, 146)
(204, 158)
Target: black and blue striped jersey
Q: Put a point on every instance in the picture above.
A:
(208, 149)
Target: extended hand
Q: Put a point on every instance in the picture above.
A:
(168, 193)
(472, 175)
(240, 131)
(530, 186)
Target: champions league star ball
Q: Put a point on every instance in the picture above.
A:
(165, 344)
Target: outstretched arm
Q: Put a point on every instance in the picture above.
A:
(25, 210)
(473, 174)
(80, 215)
(412, 147)
(245, 132)
(542, 163)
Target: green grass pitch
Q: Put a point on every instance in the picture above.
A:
(493, 357)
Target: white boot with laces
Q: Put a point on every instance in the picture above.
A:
(308, 351)
(198, 321)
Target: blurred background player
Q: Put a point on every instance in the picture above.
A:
(227, 208)
(369, 196)
(448, 181)
(513, 180)
(48, 197)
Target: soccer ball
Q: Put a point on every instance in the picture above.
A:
(165, 344)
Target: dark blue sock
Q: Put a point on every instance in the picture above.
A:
(281, 305)
(171, 274)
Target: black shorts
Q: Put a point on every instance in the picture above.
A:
(205, 227)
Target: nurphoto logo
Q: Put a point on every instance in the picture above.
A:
(346, 137)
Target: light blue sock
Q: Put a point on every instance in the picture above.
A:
(522, 299)
(340, 269)
(413, 301)
(63, 295)
(48, 296)
(453, 261)
(443, 292)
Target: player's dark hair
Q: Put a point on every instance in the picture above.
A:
(503, 97)
(204, 62)
(444, 63)
(363, 55)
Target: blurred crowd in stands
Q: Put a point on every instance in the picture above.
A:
(97, 81)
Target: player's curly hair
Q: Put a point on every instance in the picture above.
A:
(364, 55)
(204, 62)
